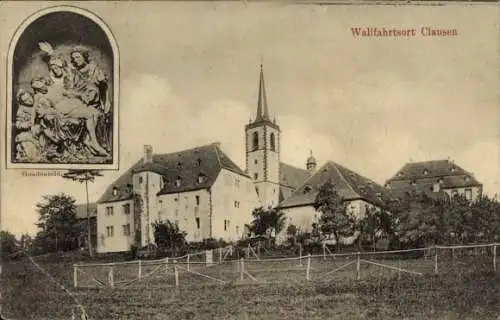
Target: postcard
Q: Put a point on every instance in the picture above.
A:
(249, 160)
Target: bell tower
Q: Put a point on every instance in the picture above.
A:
(263, 150)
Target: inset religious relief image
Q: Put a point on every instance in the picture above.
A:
(63, 84)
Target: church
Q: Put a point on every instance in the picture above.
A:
(209, 196)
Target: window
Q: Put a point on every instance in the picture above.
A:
(177, 223)
(109, 231)
(454, 193)
(109, 211)
(178, 182)
(237, 230)
(236, 204)
(201, 178)
(255, 161)
(197, 200)
(426, 172)
(115, 191)
(237, 182)
(140, 180)
(126, 208)
(176, 213)
(197, 223)
(198, 162)
(257, 190)
(307, 189)
(126, 229)
(468, 194)
(179, 165)
(255, 176)
(272, 142)
(226, 224)
(255, 141)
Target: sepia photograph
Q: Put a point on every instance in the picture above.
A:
(249, 160)
(61, 104)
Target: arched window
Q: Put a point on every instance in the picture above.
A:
(272, 142)
(255, 141)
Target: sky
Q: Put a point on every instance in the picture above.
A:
(189, 76)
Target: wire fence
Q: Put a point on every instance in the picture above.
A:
(218, 267)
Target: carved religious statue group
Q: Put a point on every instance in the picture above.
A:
(67, 115)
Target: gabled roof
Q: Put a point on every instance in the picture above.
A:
(291, 176)
(449, 174)
(186, 165)
(349, 185)
(81, 210)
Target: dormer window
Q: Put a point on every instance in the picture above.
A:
(179, 165)
(307, 189)
(413, 182)
(400, 174)
(178, 182)
(198, 162)
(467, 178)
(201, 178)
(452, 169)
(129, 188)
(426, 172)
(115, 191)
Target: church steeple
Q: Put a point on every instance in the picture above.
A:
(262, 109)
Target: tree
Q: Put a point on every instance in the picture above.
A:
(376, 221)
(59, 228)
(291, 232)
(8, 245)
(84, 176)
(267, 221)
(25, 242)
(335, 219)
(421, 220)
(167, 234)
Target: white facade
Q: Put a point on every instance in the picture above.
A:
(303, 217)
(115, 226)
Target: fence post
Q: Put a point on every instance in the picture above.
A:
(300, 254)
(220, 255)
(188, 261)
(435, 260)
(495, 257)
(399, 269)
(75, 276)
(176, 274)
(324, 251)
(358, 266)
(110, 277)
(242, 268)
(139, 272)
(166, 265)
(308, 270)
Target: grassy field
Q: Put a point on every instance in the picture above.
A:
(464, 289)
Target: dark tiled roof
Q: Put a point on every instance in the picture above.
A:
(186, 165)
(292, 177)
(427, 173)
(191, 165)
(349, 184)
(122, 184)
(81, 210)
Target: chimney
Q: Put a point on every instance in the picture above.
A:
(148, 153)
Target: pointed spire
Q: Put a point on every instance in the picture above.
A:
(262, 110)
